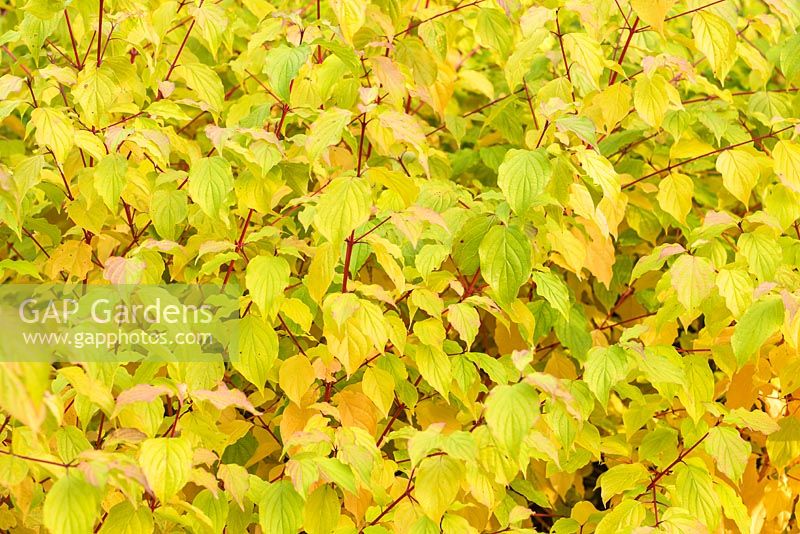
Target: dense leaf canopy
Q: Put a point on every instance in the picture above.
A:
(505, 265)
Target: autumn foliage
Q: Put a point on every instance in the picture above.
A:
(504, 265)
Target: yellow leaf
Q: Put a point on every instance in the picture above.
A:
(653, 12)
(295, 377)
(787, 164)
(205, 82)
(601, 171)
(94, 92)
(73, 258)
(321, 270)
(587, 54)
(739, 170)
(438, 481)
(378, 385)
(675, 195)
(614, 103)
(715, 38)
(693, 279)
(351, 15)
(53, 130)
(651, 99)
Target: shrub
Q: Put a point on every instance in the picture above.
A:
(505, 266)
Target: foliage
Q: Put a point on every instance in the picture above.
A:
(507, 266)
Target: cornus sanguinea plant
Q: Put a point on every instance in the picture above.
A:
(504, 265)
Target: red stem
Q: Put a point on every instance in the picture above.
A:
(183, 44)
(361, 143)
(72, 39)
(679, 459)
(631, 31)
(239, 244)
(291, 335)
(561, 45)
(100, 34)
(347, 257)
(701, 156)
(442, 14)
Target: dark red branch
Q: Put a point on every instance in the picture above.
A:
(701, 156)
(612, 80)
(100, 34)
(72, 40)
(350, 241)
(442, 14)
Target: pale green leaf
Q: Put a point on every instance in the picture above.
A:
(729, 450)
(759, 323)
(505, 259)
(280, 510)
(510, 413)
(71, 506)
(267, 277)
(166, 464)
(210, 181)
(523, 177)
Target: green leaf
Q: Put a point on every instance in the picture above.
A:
(699, 386)
(729, 450)
(465, 321)
(434, 366)
(343, 207)
(466, 243)
(586, 53)
(110, 179)
(787, 163)
(166, 464)
(505, 260)
(605, 367)
(624, 517)
(758, 421)
(783, 446)
(258, 350)
(321, 511)
(210, 181)
(735, 285)
(621, 478)
(715, 38)
(280, 510)
(553, 290)
(759, 323)
(650, 98)
(267, 277)
(695, 492)
(762, 251)
(438, 481)
(282, 64)
(733, 506)
(95, 93)
(493, 30)
(205, 82)
(71, 506)
(693, 278)
(523, 177)
(351, 15)
(124, 519)
(510, 413)
(168, 209)
(326, 131)
(790, 58)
